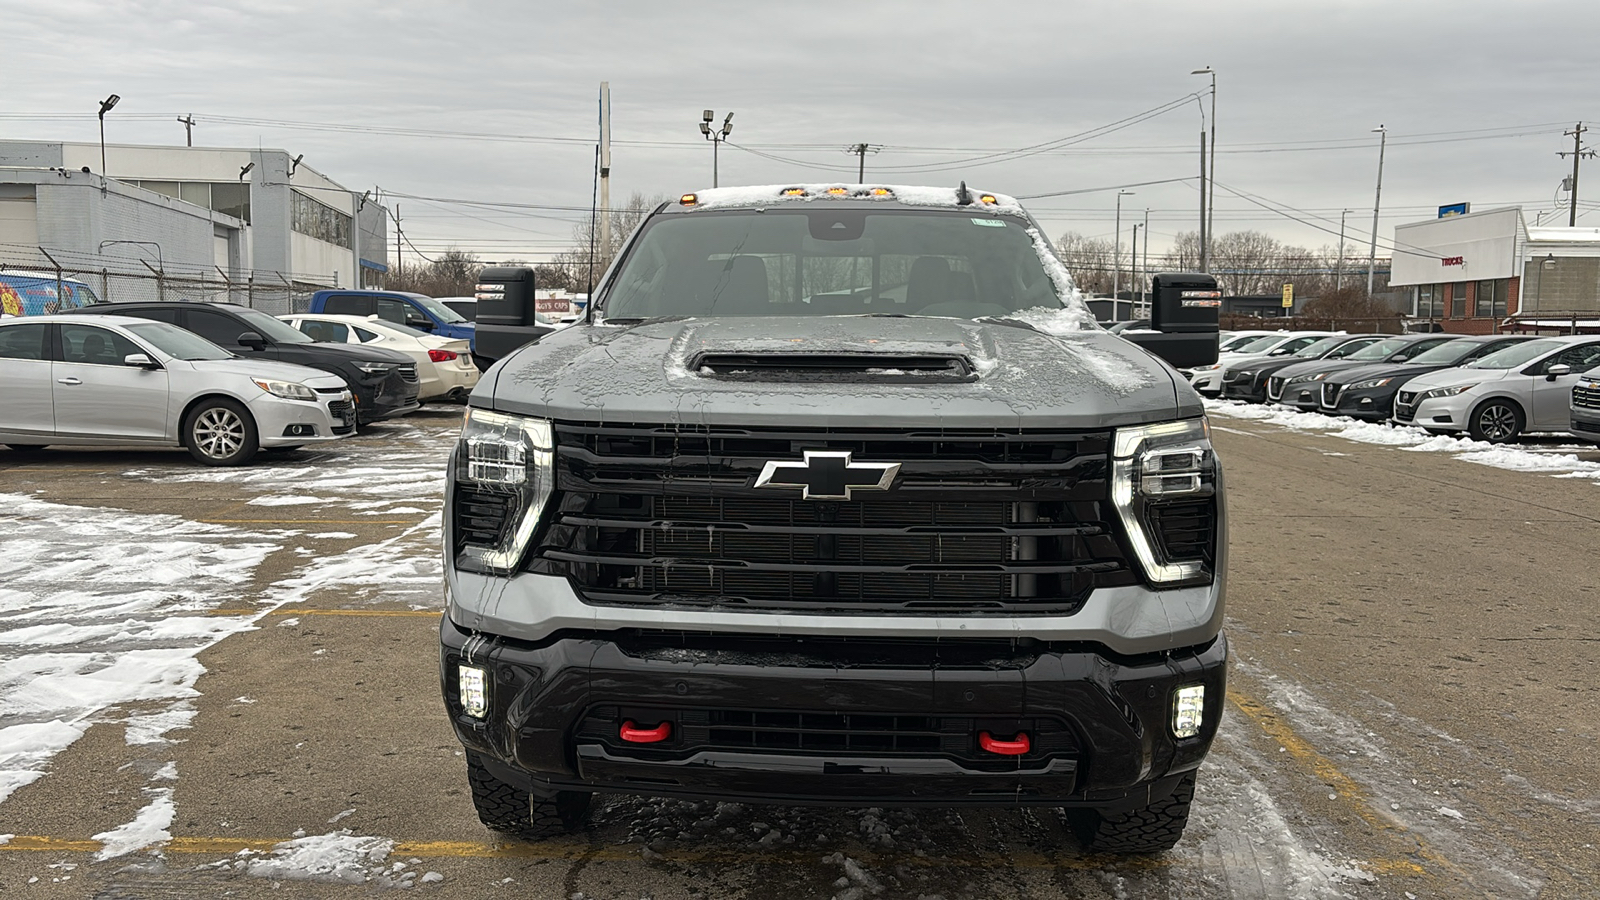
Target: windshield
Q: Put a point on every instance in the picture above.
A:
(445, 313)
(272, 329)
(1446, 354)
(1235, 343)
(1259, 344)
(178, 342)
(1379, 351)
(1514, 356)
(1320, 348)
(832, 262)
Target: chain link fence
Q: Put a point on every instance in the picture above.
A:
(126, 278)
(1367, 325)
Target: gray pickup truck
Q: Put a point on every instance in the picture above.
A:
(839, 495)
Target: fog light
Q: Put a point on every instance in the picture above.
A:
(474, 694)
(1188, 710)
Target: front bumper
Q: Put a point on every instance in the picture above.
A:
(1372, 404)
(1250, 390)
(1100, 725)
(1205, 381)
(1305, 396)
(387, 398)
(1586, 423)
(293, 423)
(1443, 413)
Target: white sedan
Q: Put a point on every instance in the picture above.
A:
(114, 380)
(444, 365)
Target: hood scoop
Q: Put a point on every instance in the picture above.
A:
(836, 368)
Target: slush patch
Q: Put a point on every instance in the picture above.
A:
(992, 223)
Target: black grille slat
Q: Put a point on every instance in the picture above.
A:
(653, 514)
(1185, 530)
(479, 517)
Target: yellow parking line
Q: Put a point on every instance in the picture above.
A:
(392, 613)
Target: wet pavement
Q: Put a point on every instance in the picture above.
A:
(243, 664)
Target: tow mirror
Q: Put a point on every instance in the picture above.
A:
(253, 340)
(1183, 315)
(1556, 371)
(139, 361)
(505, 296)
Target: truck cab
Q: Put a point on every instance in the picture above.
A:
(417, 311)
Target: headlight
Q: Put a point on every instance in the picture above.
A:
(508, 463)
(1247, 375)
(1447, 392)
(1163, 484)
(288, 390)
(1367, 385)
(372, 368)
(1303, 378)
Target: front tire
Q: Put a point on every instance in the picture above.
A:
(510, 810)
(1496, 421)
(220, 432)
(1154, 829)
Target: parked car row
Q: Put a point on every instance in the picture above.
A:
(1495, 388)
(221, 380)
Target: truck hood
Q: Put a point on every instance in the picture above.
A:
(711, 370)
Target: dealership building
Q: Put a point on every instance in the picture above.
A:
(1486, 272)
(195, 222)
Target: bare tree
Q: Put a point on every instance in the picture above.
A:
(575, 262)
(1089, 260)
(452, 274)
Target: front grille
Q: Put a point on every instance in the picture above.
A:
(832, 733)
(1586, 397)
(1185, 530)
(980, 520)
(1230, 376)
(1330, 394)
(344, 416)
(1409, 398)
(408, 374)
(479, 517)
(1274, 388)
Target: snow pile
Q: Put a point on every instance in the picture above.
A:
(914, 195)
(338, 856)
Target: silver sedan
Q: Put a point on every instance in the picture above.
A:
(112, 380)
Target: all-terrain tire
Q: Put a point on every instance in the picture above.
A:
(510, 810)
(1154, 829)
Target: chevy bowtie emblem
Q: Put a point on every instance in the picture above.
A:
(828, 475)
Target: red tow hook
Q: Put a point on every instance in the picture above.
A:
(634, 734)
(1015, 747)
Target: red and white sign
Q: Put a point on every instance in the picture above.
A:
(1453, 261)
(557, 305)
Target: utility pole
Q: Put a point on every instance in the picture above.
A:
(861, 150)
(399, 248)
(1116, 254)
(1377, 196)
(605, 167)
(1210, 182)
(1133, 264)
(188, 129)
(716, 137)
(1578, 152)
(1205, 243)
(1145, 262)
(1338, 272)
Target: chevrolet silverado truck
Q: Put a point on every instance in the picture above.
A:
(839, 495)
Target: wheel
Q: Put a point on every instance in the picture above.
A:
(220, 432)
(508, 809)
(26, 448)
(1153, 829)
(1495, 421)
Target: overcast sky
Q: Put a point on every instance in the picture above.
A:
(1475, 95)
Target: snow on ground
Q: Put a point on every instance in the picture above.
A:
(106, 612)
(1561, 460)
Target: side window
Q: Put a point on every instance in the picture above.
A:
(1415, 348)
(215, 327)
(1349, 348)
(391, 310)
(1486, 349)
(168, 315)
(94, 345)
(1581, 358)
(1298, 343)
(365, 336)
(23, 341)
(348, 305)
(332, 332)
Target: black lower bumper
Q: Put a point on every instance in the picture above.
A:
(1585, 422)
(826, 722)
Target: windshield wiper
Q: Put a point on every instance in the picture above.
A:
(646, 320)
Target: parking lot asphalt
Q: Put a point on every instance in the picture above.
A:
(1412, 708)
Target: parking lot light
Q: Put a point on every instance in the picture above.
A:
(474, 691)
(1188, 710)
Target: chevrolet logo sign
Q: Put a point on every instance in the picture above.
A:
(827, 475)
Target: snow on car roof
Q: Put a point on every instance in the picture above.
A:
(911, 195)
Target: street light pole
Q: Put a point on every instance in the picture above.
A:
(1145, 266)
(1133, 262)
(715, 136)
(1338, 272)
(1116, 255)
(105, 107)
(1377, 196)
(1211, 176)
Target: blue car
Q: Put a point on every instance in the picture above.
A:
(402, 308)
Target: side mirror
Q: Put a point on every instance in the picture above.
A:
(253, 340)
(139, 361)
(1281, 351)
(1556, 371)
(419, 323)
(1183, 313)
(505, 296)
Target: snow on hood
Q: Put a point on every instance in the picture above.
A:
(1027, 375)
